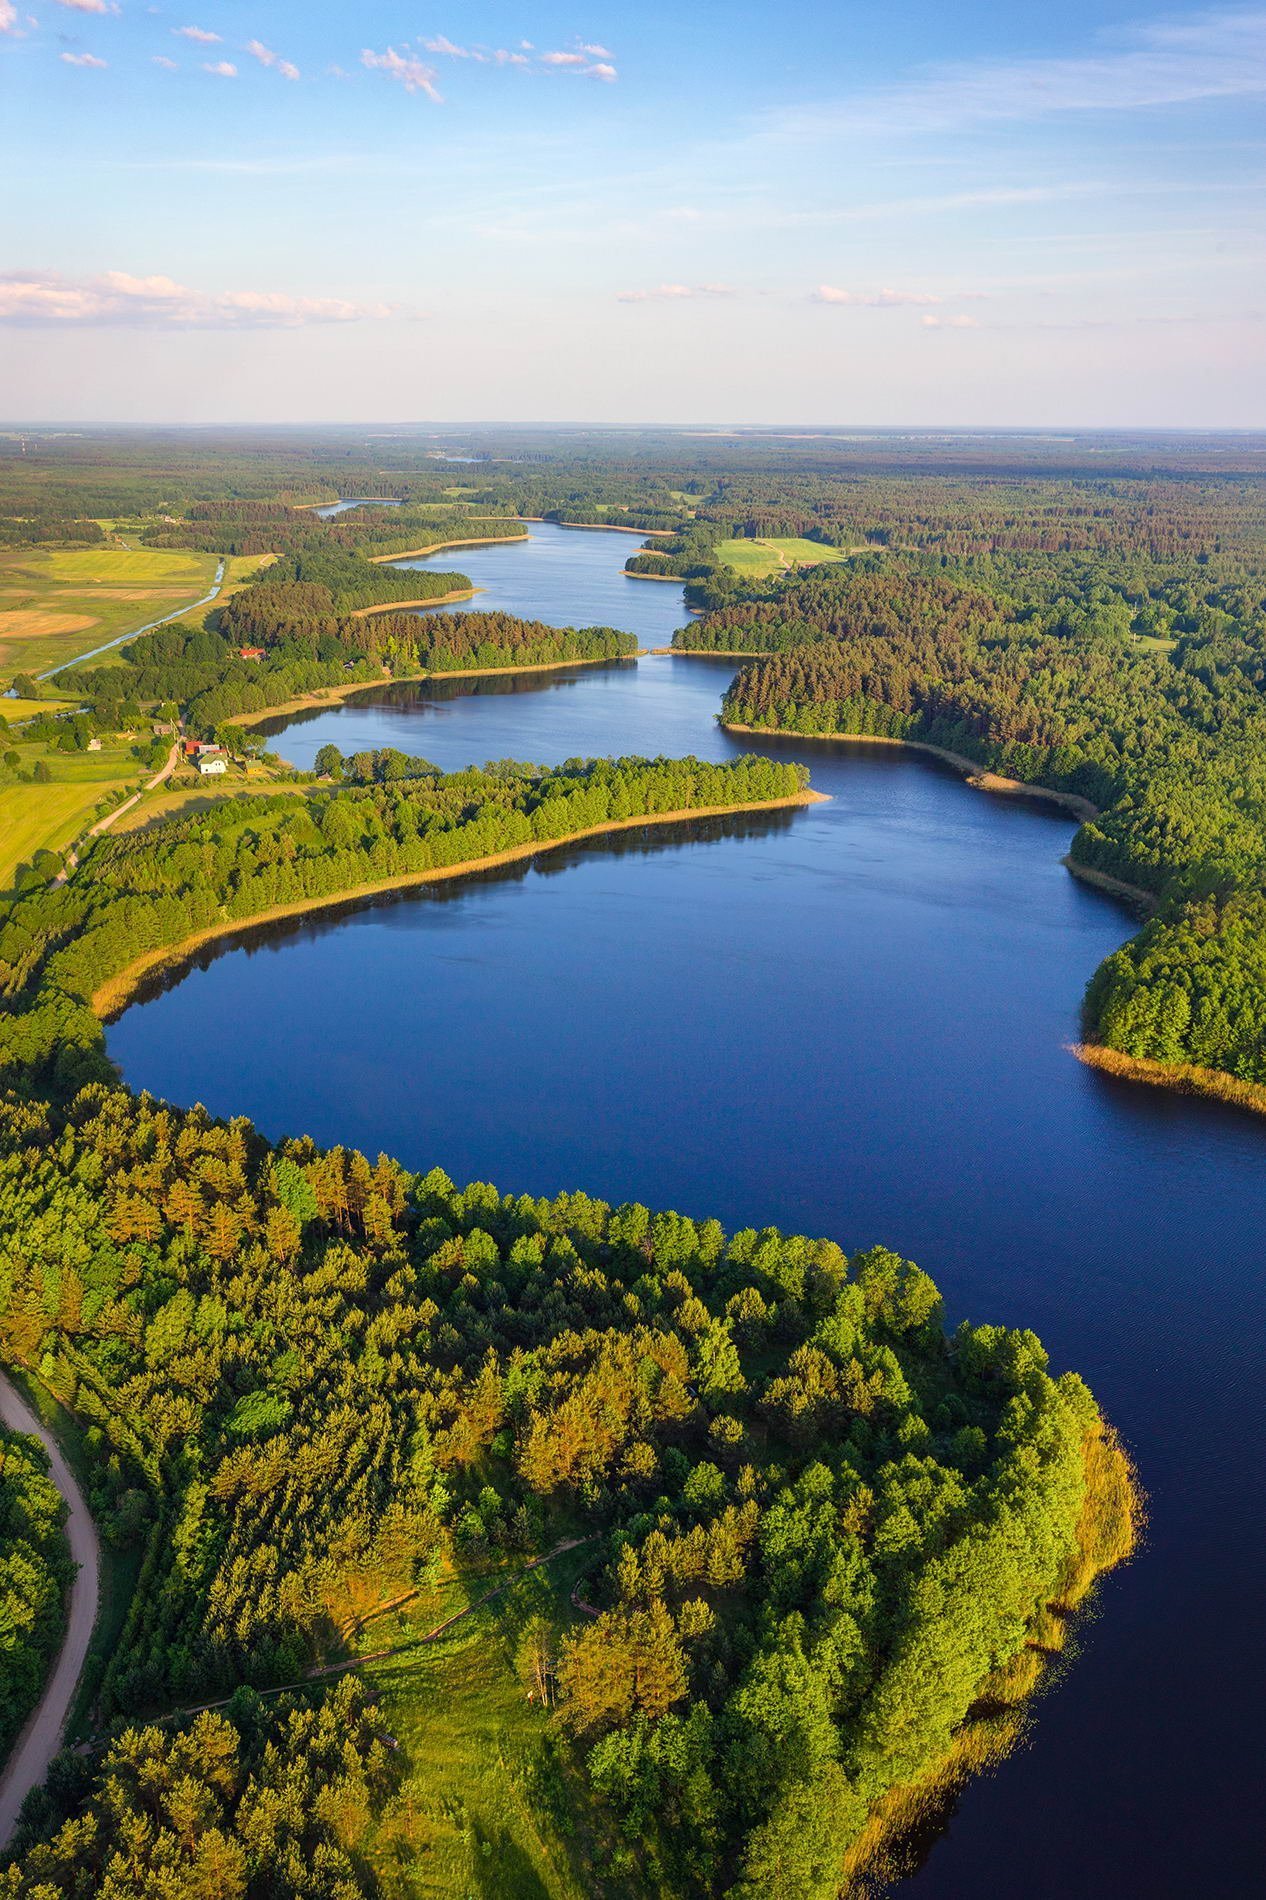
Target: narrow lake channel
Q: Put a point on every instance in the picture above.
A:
(847, 1020)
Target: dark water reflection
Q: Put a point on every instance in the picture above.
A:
(851, 1020)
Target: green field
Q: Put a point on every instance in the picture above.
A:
(754, 560)
(58, 603)
(52, 816)
(487, 1808)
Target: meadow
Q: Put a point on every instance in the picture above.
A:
(756, 560)
(57, 603)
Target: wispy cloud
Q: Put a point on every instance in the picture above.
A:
(44, 299)
(83, 59)
(950, 323)
(674, 293)
(168, 65)
(266, 57)
(585, 58)
(1211, 55)
(885, 299)
(8, 17)
(197, 33)
(406, 69)
(220, 68)
(87, 6)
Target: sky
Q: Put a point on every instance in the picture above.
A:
(944, 213)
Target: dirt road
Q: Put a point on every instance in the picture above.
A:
(42, 1736)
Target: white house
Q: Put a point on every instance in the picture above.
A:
(207, 766)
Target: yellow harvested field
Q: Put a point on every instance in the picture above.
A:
(20, 623)
(14, 710)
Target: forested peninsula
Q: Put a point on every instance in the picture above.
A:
(1167, 745)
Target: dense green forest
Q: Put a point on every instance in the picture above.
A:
(35, 1573)
(257, 1803)
(824, 1529)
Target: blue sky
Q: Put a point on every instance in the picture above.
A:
(950, 214)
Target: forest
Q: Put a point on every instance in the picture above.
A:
(35, 1571)
(825, 1529)
(1168, 741)
(136, 893)
(307, 645)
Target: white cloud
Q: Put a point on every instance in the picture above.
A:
(266, 57)
(220, 68)
(198, 33)
(873, 299)
(43, 299)
(83, 59)
(87, 6)
(674, 293)
(168, 65)
(406, 68)
(590, 62)
(950, 323)
(8, 17)
(1212, 55)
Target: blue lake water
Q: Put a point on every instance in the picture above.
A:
(851, 1020)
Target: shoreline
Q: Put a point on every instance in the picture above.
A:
(996, 1718)
(113, 996)
(674, 580)
(1146, 901)
(977, 775)
(1182, 1078)
(403, 606)
(600, 527)
(437, 547)
(334, 695)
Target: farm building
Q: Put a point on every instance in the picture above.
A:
(207, 766)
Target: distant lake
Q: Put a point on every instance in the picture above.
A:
(848, 1020)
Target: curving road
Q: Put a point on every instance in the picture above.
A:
(42, 1736)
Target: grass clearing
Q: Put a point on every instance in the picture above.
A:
(56, 603)
(487, 1808)
(755, 560)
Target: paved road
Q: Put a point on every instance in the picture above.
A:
(42, 1736)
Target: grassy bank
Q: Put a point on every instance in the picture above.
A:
(1184, 1078)
(334, 695)
(971, 769)
(403, 606)
(437, 547)
(114, 995)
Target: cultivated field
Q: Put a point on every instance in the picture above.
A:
(58, 603)
(50, 817)
(756, 559)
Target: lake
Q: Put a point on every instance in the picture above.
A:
(851, 1020)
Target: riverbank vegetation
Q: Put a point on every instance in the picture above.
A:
(1169, 745)
(35, 1574)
